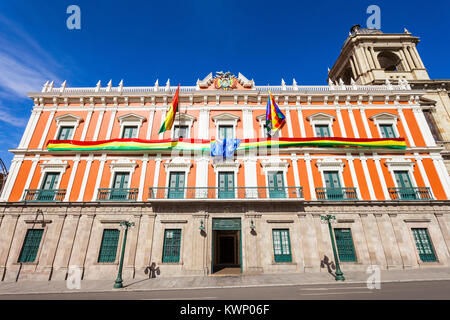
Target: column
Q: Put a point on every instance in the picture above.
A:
(250, 172)
(442, 173)
(99, 124)
(363, 160)
(365, 122)
(156, 176)
(374, 57)
(424, 128)
(374, 245)
(145, 243)
(82, 239)
(47, 127)
(381, 176)
(408, 58)
(423, 173)
(203, 124)
(86, 125)
(7, 230)
(99, 176)
(76, 161)
(404, 61)
(369, 57)
(35, 114)
(142, 178)
(405, 126)
(31, 174)
(312, 189)
(289, 122)
(353, 122)
(353, 174)
(301, 123)
(85, 177)
(340, 121)
(150, 124)
(247, 123)
(309, 243)
(111, 124)
(16, 163)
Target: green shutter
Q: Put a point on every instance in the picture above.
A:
(276, 185)
(344, 243)
(65, 133)
(423, 243)
(129, 132)
(322, 131)
(171, 249)
(281, 245)
(176, 185)
(387, 131)
(226, 185)
(31, 245)
(108, 249)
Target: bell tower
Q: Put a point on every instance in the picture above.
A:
(370, 56)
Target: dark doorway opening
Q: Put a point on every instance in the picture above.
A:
(226, 248)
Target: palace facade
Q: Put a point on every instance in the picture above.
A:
(364, 152)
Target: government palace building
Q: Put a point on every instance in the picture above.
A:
(371, 148)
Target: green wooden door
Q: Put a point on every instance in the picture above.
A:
(120, 185)
(333, 185)
(406, 191)
(276, 185)
(423, 244)
(344, 243)
(281, 245)
(176, 185)
(30, 246)
(226, 185)
(47, 192)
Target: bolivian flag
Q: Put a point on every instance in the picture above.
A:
(275, 119)
(168, 123)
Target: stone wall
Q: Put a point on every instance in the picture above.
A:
(72, 236)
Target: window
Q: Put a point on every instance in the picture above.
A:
(225, 132)
(281, 245)
(226, 185)
(387, 131)
(181, 132)
(322, 130)
(129, 132)
(276, 184)
(48, 187)
(120, 185)
(423, 244)
(344, 243)
(176, 185)
(406, 189)
(30, 246)
(171, 248)
(266, 134)
(333, 185)
(65, 133)
(108, 249)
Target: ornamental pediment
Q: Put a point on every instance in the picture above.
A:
(225, 81)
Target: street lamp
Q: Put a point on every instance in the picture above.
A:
(119, 283)
(328, 218)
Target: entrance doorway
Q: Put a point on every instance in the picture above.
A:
(226, 246)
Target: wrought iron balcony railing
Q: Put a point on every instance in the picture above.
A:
(44, 195)
(404, 194)
(116, 194)
(336, 194)
(226, 193)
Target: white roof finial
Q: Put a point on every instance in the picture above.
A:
(168, 85)
(44, 88)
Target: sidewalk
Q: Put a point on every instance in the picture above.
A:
(181, 283)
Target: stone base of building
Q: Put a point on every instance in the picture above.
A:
(213, 235)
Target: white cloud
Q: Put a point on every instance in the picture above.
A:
(14, 120)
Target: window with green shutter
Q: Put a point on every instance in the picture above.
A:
(65, 133)
(31, 244)
(171, 248)
(387, 131)
(344, 243)
(108, 249)
(281, 245)
(423, 244)
(322, 130)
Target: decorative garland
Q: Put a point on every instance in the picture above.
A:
(205, 145)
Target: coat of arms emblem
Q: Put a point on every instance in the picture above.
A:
(225, 80)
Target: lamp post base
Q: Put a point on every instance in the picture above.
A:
(118, 284)
(339, 276)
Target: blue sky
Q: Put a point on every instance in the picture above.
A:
(141, 41)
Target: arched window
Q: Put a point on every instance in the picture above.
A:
(389, 61)
(347, 76)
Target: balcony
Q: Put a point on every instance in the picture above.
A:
(44, 195)
(112, 194)
(248, 193)
(405, 194)
(337, 194)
